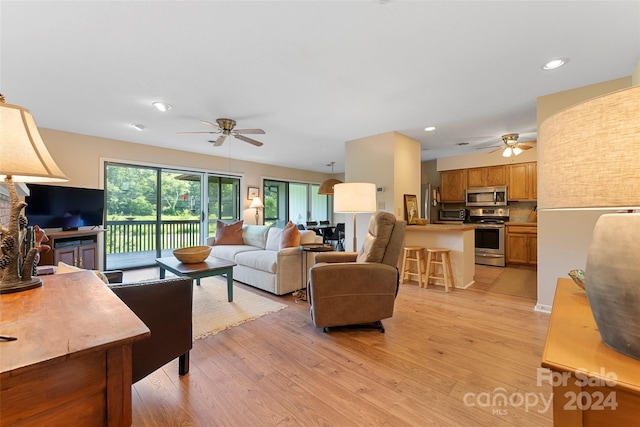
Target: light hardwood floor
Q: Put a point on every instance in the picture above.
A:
(444, 360)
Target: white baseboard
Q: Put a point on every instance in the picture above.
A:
(543, 308)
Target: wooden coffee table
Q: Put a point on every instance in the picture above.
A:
(210, 267)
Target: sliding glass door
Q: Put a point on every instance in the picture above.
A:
(294, 201)
(151, 211)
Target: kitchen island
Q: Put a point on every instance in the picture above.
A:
(459, 238)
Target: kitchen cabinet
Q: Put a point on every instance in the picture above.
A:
(453, 184)
(522, 244)
(489, 176)
(77, 248)
(523, 181)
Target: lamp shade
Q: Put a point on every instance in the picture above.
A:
(354, 197)
(327, 186)
(589, 154)
(23, 155)
(256, 203)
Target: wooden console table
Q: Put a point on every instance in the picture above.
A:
(592, 384)
(71, 362)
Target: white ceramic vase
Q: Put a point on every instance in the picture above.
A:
(613, 281)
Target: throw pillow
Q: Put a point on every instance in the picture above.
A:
(64, 268)
(290, 237)
(255, 235)
(229, 234)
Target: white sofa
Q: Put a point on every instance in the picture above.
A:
(260, 261)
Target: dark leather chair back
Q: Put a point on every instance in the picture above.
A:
(165, 307)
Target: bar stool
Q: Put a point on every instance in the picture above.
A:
(417, 255)
(435, 257)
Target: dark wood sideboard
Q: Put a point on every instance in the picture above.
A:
(71, 362)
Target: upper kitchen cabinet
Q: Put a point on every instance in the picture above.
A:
(523, 181)
(453, 183)
(489, 176)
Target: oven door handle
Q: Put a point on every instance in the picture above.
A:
(489, 225)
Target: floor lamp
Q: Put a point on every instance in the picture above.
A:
(23, 158)
(354, 197)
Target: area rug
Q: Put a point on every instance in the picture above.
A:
(519, 282)
(212, 312)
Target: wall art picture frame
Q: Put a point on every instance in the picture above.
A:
(411, 208)
(252, 192)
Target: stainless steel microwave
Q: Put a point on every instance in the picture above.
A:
(452, 214)
(486, 196)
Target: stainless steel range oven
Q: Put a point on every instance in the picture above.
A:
(490, 234)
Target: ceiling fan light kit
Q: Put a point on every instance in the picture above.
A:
(512, 146)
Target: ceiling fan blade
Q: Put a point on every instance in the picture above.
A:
(525, 147)
(213, 125)
(184, 133)
(220, 140)
(249, 140)
(250, 131)
(488, 146)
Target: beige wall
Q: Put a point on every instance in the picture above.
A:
(476, 160)
(564, 235)
(81, 158)
(406, 171)
(389, 160)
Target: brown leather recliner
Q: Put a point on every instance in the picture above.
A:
(358, 288)
(165, 307)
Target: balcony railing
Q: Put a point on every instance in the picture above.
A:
(140, 236)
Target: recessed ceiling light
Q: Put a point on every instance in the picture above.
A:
(555, 63)
(430, 128)
(162, 106)
(137, 126)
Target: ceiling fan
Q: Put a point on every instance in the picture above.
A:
(511, 146)
(225, 127)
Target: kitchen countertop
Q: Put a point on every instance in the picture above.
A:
(528, 224)
(441, 227)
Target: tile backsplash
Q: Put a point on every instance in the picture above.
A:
(520, 211)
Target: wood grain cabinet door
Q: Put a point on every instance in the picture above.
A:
(67, 255)
(476, 177)
(453, 184)
(87, 256)
(496, 175)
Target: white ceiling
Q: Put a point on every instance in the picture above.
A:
(312, 74)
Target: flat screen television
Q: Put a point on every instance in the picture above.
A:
(51, 206)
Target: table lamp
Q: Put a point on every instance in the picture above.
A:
(354, 197)
(589, 158)
(256, 203)
(23, 158)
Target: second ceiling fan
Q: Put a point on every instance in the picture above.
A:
(512, 146)
(226, 127)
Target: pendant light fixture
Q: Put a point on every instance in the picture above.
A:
(327, 186)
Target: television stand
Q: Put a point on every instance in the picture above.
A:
(78, 248)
